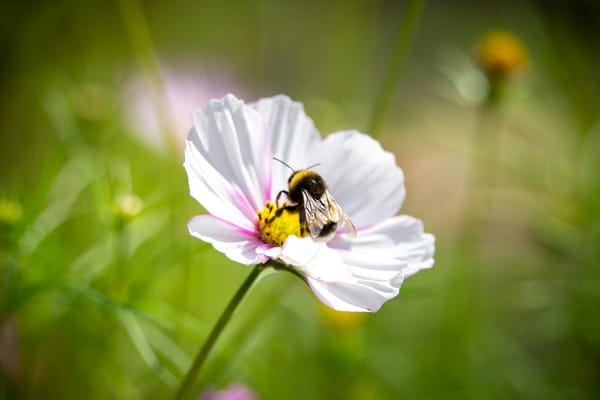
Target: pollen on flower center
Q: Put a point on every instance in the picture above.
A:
(277, 222)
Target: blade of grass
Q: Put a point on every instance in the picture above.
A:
(385, 95)
(143, 347)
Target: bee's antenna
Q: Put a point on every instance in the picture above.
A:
(314, 165)
(284, 163)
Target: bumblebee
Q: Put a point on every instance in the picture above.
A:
(317, 209)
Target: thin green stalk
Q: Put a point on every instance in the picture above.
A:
(282, 267)
(143, 47)
(188, 381)
(385, 95)
(459, 315)
(119, 278)
(482, 174)
(145, 53)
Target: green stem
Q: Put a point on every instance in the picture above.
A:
(190, 377)
(143, 47)
(482, 174)
(385, 95)
(282, 267)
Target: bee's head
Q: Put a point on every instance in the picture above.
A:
(306, 180)
(305, 175)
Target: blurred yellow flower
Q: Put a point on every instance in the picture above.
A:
(341, 320)
(501, 54)
(10, 212)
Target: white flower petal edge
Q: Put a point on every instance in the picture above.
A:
(237, 243)
(227, 158)
(331, 278)
(362, 177)
(357, 296)
(293, 137)
(399, 240)
(362, 273)
(311, 259)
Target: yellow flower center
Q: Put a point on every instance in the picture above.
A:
(277, 222)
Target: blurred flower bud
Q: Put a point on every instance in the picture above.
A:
(10, 212)
(126, 207)
(501, 54)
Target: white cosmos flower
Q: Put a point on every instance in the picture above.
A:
(229, 161)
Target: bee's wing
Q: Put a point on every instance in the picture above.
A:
(322, 212)
(339, 215)
(315, 213)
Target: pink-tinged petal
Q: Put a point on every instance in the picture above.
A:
(218, 196)
(362, 177)
(397, 245)
(228, 159)
(237, 243)
(293, 137)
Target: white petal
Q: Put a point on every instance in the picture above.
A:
(379, 259)
(397, 245)
(361, 176)
(213, 191)
(237, 243)
(293, 137)
(314, 259)
(332, 278)
(228, 160)
(353, 296)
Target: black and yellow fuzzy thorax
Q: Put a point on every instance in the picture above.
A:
(305, 180)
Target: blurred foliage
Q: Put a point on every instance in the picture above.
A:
(103, 294)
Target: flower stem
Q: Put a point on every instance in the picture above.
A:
(482, 174)
(385, 95)
(190, 377)
(281, 267)
(143, 47)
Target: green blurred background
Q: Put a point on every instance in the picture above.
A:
(104, 295)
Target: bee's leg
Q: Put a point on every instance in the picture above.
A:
(279, 195)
